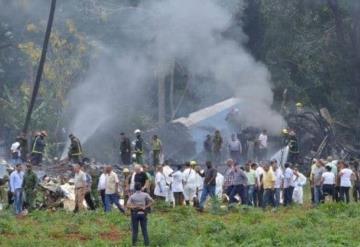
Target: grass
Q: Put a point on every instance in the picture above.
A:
(327, 225)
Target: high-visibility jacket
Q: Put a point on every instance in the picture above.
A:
(38, 146)
(139, 145)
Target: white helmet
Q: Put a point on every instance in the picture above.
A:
(137, 131)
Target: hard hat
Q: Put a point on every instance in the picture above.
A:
(299, 104)
(125, 170)
(137, 131)
(43, 133)
(193, 163)
(285, 131)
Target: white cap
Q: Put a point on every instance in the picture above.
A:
(137, 131)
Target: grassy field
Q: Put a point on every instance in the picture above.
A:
(328, 225)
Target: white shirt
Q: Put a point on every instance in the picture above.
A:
(235, 146)
(102, 182)
(177, 184)
(160, 185)
(329, 178)
(299, 181)
(279, 178)
(219, 184)
(15, 148)
(189, 177)
(288, 177)
(263, 140)
(259, 171)
(345, 177)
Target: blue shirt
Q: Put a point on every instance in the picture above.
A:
(16, 180)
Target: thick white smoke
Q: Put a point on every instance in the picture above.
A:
(157, 33)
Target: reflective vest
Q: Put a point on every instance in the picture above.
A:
(75, 147)
(38, 145)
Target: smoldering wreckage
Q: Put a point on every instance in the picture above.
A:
(317, 135)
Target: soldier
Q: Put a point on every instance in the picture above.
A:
(208, 147)
(157, 149)
(125, 150)
(29, 187)
(139, 147)
(293, 148)
(38, 148)
(75, 151)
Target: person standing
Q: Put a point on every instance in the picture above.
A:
(259, 188)
(102, 186)
(142, 178)
(15, 150)
(317, 177)
(75, 150)
(161, 186)
(112, 190)
(156, 149)
(139, 202)
(209, 184)
(208, 147)
(251, 178)
(87, 196)
(38, 148)
(80, 188)
(263, 145)
(177, 186)
(125, 149)
(139, 148)
(279, 182)
(235, 149)
(299, 182)
(239, 185)
(189, 182)
(346, 176)
(217, 147)
(288, 185)
(29, 186)
(268, 183)
(16, 184)
(229, 177)
(328, 183)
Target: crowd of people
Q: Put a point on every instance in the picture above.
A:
(258, 183)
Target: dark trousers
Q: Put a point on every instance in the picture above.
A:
(344, 194)
(156, 158)
(288, 193)
(238, 190)
(260, 196)
(36, 159)
(268, 198)
(235, 156)
(111, 199)
(89, 201)
(102, 195)
(136, 219)
(329, 190)
(126, 158)
(337, 193)
(179, 198)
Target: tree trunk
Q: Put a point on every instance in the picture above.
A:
(171, 93)
(339, 28)
(161, 98)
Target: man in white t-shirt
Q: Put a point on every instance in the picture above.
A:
(328, 183)
(279, 182)
(346, 176)
(177, 186)
(263, 145)
(189, 182)
(15, 153)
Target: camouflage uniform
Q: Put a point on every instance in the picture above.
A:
(29, 186)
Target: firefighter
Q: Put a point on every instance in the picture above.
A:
(38, 148)
(293, 148)
(217, 147)
(125, 150)
(299, 108)
(75, 150)
(139, 147)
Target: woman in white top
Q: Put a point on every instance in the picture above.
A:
(161, 187)
(189, 182)
(328, 183)
(346, 175)
(177, 186)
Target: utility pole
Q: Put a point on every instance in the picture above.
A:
(41, 66)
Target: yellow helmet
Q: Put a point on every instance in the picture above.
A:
(193, 163)
(126, 170)
(299, 104)
(285, 131)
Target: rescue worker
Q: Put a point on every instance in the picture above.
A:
(29, 187)
(293, 148)
(217, 146)
(299, 108)
(38, 148)
(16, 152)
(139, 148)
(157, 149)
(125, 150)
(75, 150)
